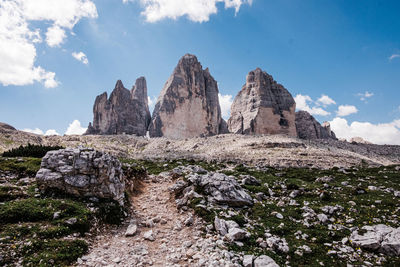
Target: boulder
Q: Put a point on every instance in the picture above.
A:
(380, 238)
(125, 112)
(262, 107)
(309, 128)
(188, 105)
(221, 189)
(265, 261)
(82, 172)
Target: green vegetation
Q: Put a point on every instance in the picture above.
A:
(20, 166)
(34, 227)
(346, 188)
(34, 151)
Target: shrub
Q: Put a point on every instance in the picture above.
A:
(34, 151)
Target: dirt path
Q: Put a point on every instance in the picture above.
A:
(174, 239)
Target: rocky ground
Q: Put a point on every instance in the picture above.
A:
(158, 234)
(276, 150)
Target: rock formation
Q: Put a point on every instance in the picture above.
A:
(4, 128)
(124, 112)
(359, 140)
(83, 173)
(309, 128)
(188, 105)
(262, 107)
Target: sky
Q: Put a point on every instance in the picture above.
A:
(339, 59)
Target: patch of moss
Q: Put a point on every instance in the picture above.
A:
(53, 252)
(21, 166)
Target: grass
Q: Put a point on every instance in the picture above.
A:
(21, 166)
(29, 230)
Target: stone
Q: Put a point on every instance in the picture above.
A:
(125, 112)
(323, 218)
(381, 238)
(222, 189)
(71, 221)
(149, 235)
(220, 226)
(249, 180)
(262, 107)
(309, 128)
(265, 261)
(82, 172)
(131, 230)
(236, 234)
(248, 260)
(188, 105)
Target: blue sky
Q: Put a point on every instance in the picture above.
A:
(346, 50)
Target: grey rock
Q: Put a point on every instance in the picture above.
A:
(265, 261)
(82, 172)
(249, 180)
(236, 234)
(309, 128)
(222, 189)
(323, 218)
(262, 107)
(132, 229)
(125, 112)
(188, 105)
(248, 260)
(149, 235)
(71, 221)
(381, 238)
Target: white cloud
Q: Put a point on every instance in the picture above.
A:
(152, 103)
(325, 100)
(34, 131)
(345, 110)
(225, 101)
(81, 57)
(364, 96)
(394, 56)
(302, 103)
(382, 133)
(194, 10)
(51, 132)
(75, 128)
(18, 36)
(55, 36)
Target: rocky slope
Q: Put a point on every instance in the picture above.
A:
(188, 105)
(262, 107)
(124, 112)
(309, 128)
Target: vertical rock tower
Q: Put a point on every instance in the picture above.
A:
(188, 105)
(263, 107)
(309, 128)
(125, 112)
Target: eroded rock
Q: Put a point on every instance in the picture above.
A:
(125, 112)
(262, 107)
(188, 105)
(82, 172)
(309, 128)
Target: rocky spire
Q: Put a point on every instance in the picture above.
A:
(262, 107)
(188, 105)
(309, 128)
(125, 112)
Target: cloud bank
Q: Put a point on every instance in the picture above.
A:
(74, 128)
(346, 110)
(18, 36)
(382, 133)
(194, 10)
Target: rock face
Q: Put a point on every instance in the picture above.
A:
(124, 112)
(309, 128)
(222, 189)
(381, 238)
(188, 105)
(83, 173)
(262, 107)
(4, 128)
